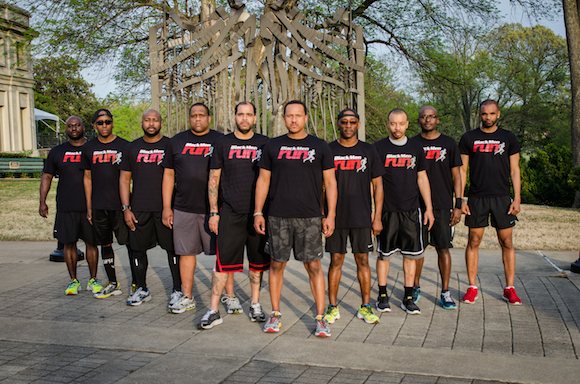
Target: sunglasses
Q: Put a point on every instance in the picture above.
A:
(102, 122)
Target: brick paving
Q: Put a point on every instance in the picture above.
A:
(546, 325)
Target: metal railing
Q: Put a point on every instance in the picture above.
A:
(52, 139)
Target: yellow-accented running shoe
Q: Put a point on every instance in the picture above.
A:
(73, 287)
(94, 285)
(365, 313)
(332, 314)
(111, 289)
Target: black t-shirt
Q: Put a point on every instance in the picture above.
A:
(401, 165)
(355, 168)
(64, 160)
(441, 154)
(238, 160)
(296, 183)
(189, 156)
(143, 160)
(489, 163)
(103, 160)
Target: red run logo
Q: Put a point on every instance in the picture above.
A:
(400, 161)
(350, 163)
(150, 156)
(296, 153)
(107, 156)
(72, 157)
(245, 152)
(197, 149)
(489, 146)
(435, 153)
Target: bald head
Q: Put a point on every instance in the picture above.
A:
(151, 124)
(75, 128)
(76, 119)
(151, 112)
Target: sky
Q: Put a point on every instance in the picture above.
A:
(103, 82)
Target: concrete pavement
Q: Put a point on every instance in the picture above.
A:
(46, 336)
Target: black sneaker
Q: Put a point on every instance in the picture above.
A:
(575, 266)
(382, 303)
(408, 306)
(210, 320)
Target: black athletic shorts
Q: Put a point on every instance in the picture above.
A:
(441, 234)
(105, 223)
(71, 226)
(360, 240)
(150, 231)
(402, 232)
(302, 235)
(234, 232)
(482, 207)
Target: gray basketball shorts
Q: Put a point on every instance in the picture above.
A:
(302, 235)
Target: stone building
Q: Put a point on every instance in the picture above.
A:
(17, 126)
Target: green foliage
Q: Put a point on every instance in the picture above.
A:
(20, 155)
(381, 96)
(60, 89)
(127, 116)
(531, 80)
(549, 178)
(453, 78)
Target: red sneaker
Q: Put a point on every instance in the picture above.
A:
(510, 295)
(471, 295)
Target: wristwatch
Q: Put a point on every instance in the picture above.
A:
(125, 207)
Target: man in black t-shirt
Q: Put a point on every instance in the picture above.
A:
(357, 166)
(71, 208)
(404, 179)
(293, 168)
(142, 163)
(100, 162)
(234, 170)
(186, 171)
(494, 154)
(442, 162)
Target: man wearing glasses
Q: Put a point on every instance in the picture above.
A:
(100, 162)
(442, 162)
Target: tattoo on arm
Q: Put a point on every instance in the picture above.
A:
(213, 189)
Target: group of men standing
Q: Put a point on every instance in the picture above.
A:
(202, 191)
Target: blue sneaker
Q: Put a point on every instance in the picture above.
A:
(416, 294)
(446, 300)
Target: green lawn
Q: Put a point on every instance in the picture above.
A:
(539, 227)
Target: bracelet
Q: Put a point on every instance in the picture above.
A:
(258, 214)
(458, 203)
(212, 214)
(125, 207)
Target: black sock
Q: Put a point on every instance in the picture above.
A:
(108, 257)
(408, 292)
(173, 261)
(140, 263)
(132, 264)
(382, 290)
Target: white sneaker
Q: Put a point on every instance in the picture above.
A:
(141, 295)
(232, 304)
(256, 313)
(175, 296)
(183, 304)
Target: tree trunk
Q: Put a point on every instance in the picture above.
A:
(572, 22)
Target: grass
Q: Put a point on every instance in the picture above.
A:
(539, 227)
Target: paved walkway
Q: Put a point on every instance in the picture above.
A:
(46, 336)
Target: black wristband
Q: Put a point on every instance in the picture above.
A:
(212, 214)
(458, 202)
